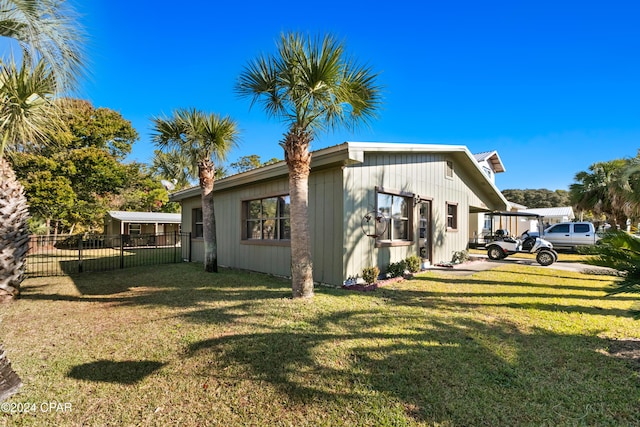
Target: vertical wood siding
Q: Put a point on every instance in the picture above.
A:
(421, 174)
(339, 197)
(325, 213)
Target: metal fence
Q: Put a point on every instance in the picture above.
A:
(62, 255)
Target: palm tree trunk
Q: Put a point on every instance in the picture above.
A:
(9, 380)
(206, 172)
(298, 158)
(14, 233)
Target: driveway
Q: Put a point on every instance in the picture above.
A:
(483, 263)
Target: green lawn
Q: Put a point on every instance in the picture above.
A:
(172, 345)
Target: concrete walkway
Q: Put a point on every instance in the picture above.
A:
(483, 263)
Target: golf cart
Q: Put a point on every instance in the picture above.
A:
(501, 244)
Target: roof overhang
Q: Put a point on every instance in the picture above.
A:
(352, 153)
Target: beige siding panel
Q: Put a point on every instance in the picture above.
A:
(325, 209)
(420, 174)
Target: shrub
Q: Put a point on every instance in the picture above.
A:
(413, 263)
(460, 256)
(370, 274)
(396, 269)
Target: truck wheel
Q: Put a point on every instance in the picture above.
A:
(495, 253)
(545, 258)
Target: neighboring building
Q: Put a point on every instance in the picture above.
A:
(135, 223)
(427, 193)
(553, 215)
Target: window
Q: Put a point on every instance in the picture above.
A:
(581, 228)
(396, 209)
(560, 228)
(196, 229)
(267, 219)
(487, 171)
(449, 169)
(135, 229)
(452, 216)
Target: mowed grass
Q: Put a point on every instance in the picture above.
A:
(172, 345)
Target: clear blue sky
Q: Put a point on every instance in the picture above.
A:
(553, 86)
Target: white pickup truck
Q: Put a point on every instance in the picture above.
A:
(569, 235)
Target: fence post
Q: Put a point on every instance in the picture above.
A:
(121, 251)
(189, 237)
(175, 247)
(80, 253)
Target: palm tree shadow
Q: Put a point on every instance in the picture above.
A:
(126, 372)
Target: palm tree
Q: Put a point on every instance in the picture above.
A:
(201, 140)
(50, 44)
(312, 86)
(24, 116)
(601, 190)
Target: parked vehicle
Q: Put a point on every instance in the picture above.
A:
(504, 245)
(567, 235)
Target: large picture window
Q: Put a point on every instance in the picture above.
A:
(267, 219)
(396, 209)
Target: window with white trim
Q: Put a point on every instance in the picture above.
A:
(135, 229)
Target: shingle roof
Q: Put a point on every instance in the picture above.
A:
(146, 217)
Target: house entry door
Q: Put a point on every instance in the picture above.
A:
(425, 234)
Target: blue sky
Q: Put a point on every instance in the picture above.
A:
(553, 86)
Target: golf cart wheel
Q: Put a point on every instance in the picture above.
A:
(545, 258)
(495, 253)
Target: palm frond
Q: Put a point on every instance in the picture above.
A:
(311, 84)
(47, 30)
(27, 113)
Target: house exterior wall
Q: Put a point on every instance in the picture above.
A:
(420, 174)
(325, 213)
(341, 192)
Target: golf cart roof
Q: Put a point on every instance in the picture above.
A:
(515, 214)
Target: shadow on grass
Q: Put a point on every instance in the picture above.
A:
(415, 353)
(463, 372)
(128, 372)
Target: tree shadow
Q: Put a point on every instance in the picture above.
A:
(127, 372)
(434, 368)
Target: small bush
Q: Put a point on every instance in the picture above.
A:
(396, 269)
(370, 274)
(460, 256)
(413, 263)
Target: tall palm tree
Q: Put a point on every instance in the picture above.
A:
(201, 140)
(50, 43)
(25, 117)
(312, 86)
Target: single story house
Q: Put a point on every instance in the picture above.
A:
(141, 223)
(425, 193)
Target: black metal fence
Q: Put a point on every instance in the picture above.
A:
(61, 255)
